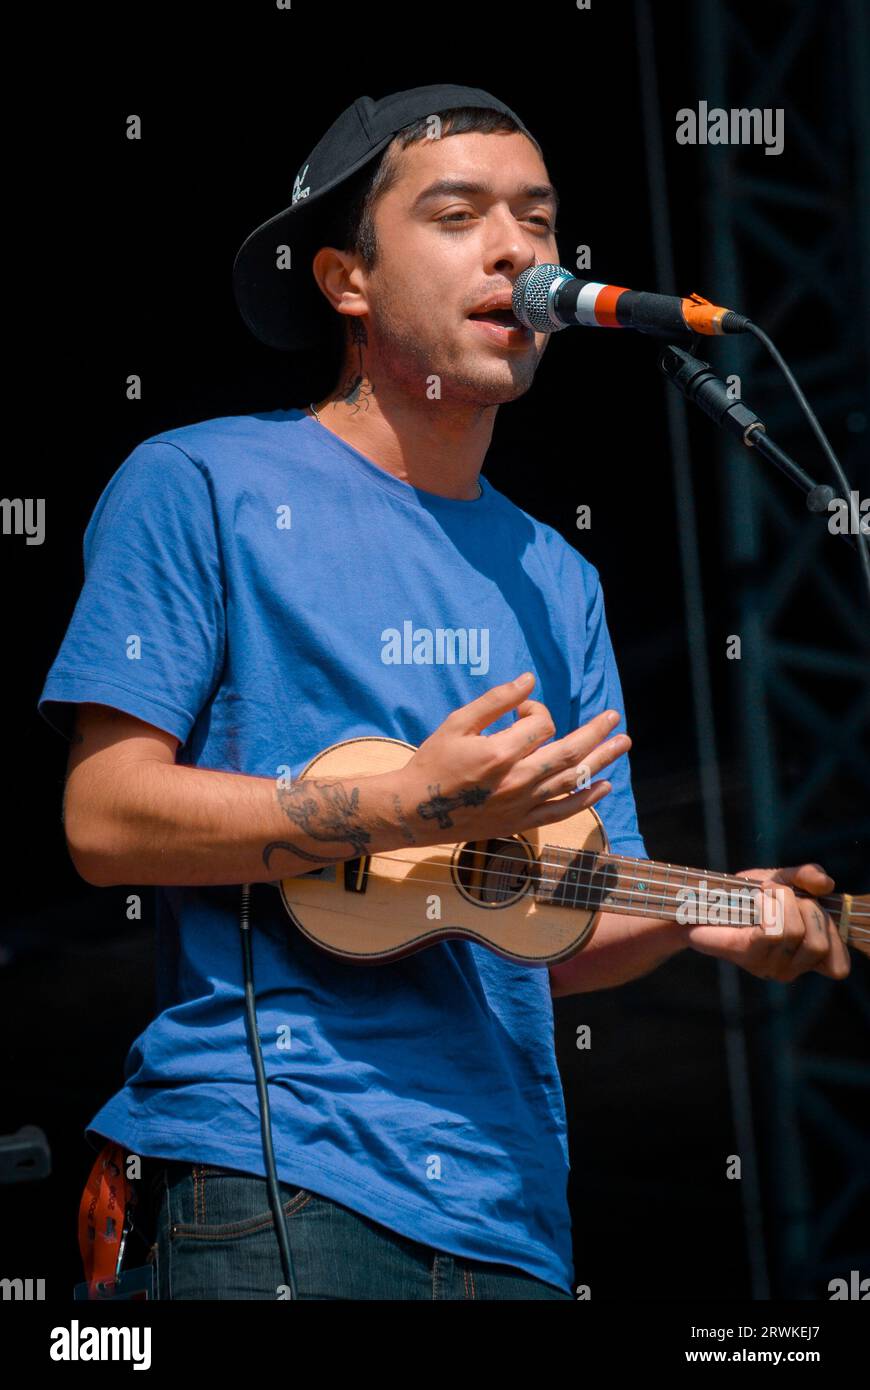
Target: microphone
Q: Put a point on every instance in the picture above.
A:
(548, 297)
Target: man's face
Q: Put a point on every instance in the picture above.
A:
(443, 252)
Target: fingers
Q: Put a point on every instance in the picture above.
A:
(797, 936)
(532, 727)
(578, 776)
(535, 764)
(549, 812)
(491, 705)
(804, 944)
(839, 961)
(812, 878)
(810, 940)
(821, 929)
(568, 763)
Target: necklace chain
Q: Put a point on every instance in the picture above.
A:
(312, 408)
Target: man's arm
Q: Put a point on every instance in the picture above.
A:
(798, 937)
(622, 948)
(132, 815)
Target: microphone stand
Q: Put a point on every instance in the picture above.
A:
(699, 383)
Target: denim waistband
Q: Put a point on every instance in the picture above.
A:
(155, 1169)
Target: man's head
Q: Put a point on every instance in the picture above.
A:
(456, 207)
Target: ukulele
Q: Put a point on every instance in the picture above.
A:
(534, 897)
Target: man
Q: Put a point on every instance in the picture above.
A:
(260, 587)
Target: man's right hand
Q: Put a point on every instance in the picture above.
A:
(462, 784)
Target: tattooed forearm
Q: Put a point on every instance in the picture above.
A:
(330, 812)
(324, 811)
(438, 807)
(270, 848)
(402, 820)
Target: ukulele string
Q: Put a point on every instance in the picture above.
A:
(735, 885)
(692, 876)
(627, 911)
(644, 909)
(605, 857)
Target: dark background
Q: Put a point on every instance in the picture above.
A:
(123, 259)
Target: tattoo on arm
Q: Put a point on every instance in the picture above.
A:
(403, 820)
(325, 811)
(328, 811)
(438, 807)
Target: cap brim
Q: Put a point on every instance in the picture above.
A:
(284, 307)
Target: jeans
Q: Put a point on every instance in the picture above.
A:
(214, 1238)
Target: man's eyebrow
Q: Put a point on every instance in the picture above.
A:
(542, 191)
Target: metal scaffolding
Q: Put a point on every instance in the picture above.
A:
(813, 224)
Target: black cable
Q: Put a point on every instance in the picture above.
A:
(263, 1095)
(809, 413)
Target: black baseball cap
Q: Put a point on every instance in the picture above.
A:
(285, 308)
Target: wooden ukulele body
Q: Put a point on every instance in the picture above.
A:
(492, 892)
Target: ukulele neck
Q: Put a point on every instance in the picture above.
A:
(592, 880)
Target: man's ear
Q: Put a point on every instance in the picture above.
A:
(340, 279)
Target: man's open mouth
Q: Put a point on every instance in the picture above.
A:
(505, 316)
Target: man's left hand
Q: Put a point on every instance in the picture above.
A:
(809, 939)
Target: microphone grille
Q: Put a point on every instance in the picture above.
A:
(532, 296)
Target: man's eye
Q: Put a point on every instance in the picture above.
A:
(449, 216)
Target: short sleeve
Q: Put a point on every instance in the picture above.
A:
(148, 630)
(600, 690)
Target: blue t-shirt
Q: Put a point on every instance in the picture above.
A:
(260, 589)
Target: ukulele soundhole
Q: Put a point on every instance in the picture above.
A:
(494, 873)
